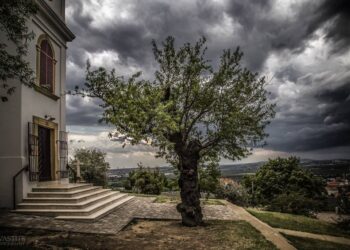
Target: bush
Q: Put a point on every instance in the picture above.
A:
(232, 191)
(209, 178)
(93, 167)
(343, 200)
(146, 180)
(282, 185)
(294, 203)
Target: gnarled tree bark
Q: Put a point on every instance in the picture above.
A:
(189, 208)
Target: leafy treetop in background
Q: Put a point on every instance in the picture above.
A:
(282, 185)
(93, 166)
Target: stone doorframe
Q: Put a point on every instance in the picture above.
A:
(53, 141)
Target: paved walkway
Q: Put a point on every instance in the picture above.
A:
(340, 240)
(139, 207)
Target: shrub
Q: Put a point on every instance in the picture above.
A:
(232, 191)
(146, 180)
(343, 200)
(93, 167)
(209, 178)
(282, 185)
(294, 203)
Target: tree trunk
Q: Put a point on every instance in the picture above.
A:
(189, 207)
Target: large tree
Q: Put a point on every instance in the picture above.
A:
(14, 32)
(190, 112)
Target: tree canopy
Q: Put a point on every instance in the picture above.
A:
(282, 185)
(221, 112)
(191, 112)
(13, 26)
(146, 180)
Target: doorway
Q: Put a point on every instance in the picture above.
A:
(44, 138)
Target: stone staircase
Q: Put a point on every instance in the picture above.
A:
(82, 202)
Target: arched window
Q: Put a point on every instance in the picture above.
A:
(46, 65)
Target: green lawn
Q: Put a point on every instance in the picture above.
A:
(298, 223)
(312, 244)
(238, 235)
(176, 199)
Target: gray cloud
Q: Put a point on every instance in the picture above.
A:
(312, 95)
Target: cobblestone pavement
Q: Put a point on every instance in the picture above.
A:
(139, 207)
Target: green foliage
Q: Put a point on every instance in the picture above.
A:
(93, 166)
(13, 18)
(282, 185)
(146, 180)
(221, 112)
(295, 203)
(343, 200)
(209, 178)
(192, 113)
(233, 192)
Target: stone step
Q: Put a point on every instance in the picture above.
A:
(67, 200)
(72, 212)
(62, 188)
(79, 205)
(73, 193)
(99, 213)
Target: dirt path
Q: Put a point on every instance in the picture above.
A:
(270, 233)
(340, 240)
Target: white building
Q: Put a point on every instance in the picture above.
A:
(32, 122)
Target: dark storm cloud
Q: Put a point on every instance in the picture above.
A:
(82, 112)
(132, 38)
(340, 101)
(263, 33)
(306, 137)
(260, 27)
(338, 30)
(313, 128)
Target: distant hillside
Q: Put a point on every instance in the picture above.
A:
(324, 168)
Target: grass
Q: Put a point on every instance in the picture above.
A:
(238, 235)
(176, 199)
(312, 244)
(298, 223)
(151, 234)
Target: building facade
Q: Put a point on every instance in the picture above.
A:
(33, 144)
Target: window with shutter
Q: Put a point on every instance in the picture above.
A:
(46, 66)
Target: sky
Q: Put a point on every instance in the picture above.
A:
(301, 46)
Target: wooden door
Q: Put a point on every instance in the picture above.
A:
(44, 135)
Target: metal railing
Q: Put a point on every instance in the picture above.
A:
(14, 184)
(33, 152)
